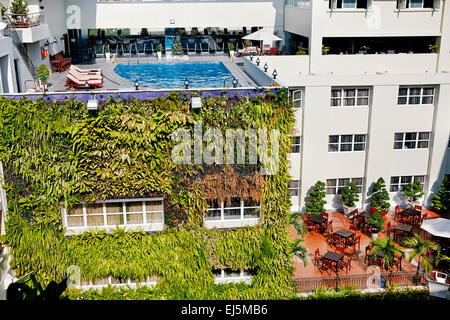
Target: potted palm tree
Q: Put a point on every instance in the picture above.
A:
(159, 51)
(387, 249)
(419, 248)
(434, 48)
(364, 49)
(42, 74)
(325, 49)
(349, 197)
(107, 53)
(231, 49)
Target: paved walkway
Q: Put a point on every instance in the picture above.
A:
(112, 81)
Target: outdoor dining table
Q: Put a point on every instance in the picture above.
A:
(319, 220)
(365, 214)
(333, 257)
(402, 227)
(412, 212)
(344, 234)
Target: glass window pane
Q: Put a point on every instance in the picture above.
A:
(410, 136)
(116, 219)
(427, 100)
(331, 191)
(335, 102)
(336, 93)
(346, 147)
(135, 218)
(402, 100)
(428, 91)
(93, 208)
(422, 144)
(333, 139)
(75, 210)
(403, 91)
(343, 182)
(349, 93)
(357, 181)
(360, 138)
(297, 95)
(95, 220)
(363, 101)
(424, 135)
(414, 100)
(75, 221)
(349, 101)
(398, 145)
(394, 188)
(331, 182)
(251, 213)
(333, 147)
(410, 145)
(151, 206)
(414, 91)
(421, 179)
(395, 180)
(134, 206)
(398, 136)
(155, 217)
(406, 179)
(363, 92)
(347, 138)
(114, 207)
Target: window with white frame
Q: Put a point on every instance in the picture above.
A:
(418, 4)
(110, 213)
(416, 95)
(399, 182)
(348, 4)
(297, 96)
(296, 144)
(411, 140)
(294, 186)
(230, 275)
(335, 186)
(349, 97)
(347, 142)
(112, 281)
(235, 209)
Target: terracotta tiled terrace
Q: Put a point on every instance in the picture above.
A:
(314, 240)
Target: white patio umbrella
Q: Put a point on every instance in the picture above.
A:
(262, 35)
(438, 227)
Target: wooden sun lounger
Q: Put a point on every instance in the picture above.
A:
(73, 82)
(95, 71)
(85, 76)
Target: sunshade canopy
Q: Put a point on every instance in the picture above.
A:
(438, 227)
(262, 35)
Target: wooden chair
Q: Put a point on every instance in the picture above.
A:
(398, 234)
(356, 242)
(317, 257)
(396, 212)
(367, 253)
(324, 214)
(309, 224)
(326, 266)
(330, 225)
(388, 229)
(353, 228)
(316, 228)
(417, 207)
(409, 220)
(346, 263)
(340, 249)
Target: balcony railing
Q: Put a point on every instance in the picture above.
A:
(19, 21)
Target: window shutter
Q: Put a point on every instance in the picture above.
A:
(437, 4)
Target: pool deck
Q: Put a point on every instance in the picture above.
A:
(113, 81)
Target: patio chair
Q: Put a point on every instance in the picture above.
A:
(85, 76)
(316, 228)
(326, 266)
(317, 257)
(340, 249)
(396, 212)
(310, 225)
(417, 207)
(357, 242)
(353, 228)
(388, 229)
(346, 263)
(273, 51)
(86, 71)
(324, 214)
(398, 234)
(330, 225)
(74, 82)
(408, 220)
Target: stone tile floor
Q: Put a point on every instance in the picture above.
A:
(313, 241)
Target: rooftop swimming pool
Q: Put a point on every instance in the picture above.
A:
(171, 75)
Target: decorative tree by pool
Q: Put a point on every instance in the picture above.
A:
(315, 202)
(413, 191)
(18, 7)
(379, 196)
(419, 248)
(441, 199)
(177, 50)
(350, 194)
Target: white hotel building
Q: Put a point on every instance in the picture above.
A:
(359, 116)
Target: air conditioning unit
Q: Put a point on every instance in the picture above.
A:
(92, 105)
(196, 103)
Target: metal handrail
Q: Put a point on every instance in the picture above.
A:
(21, 49)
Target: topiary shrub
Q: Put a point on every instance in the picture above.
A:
(316, 199)
(379, 196)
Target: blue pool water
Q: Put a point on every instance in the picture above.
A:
(171, 75)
